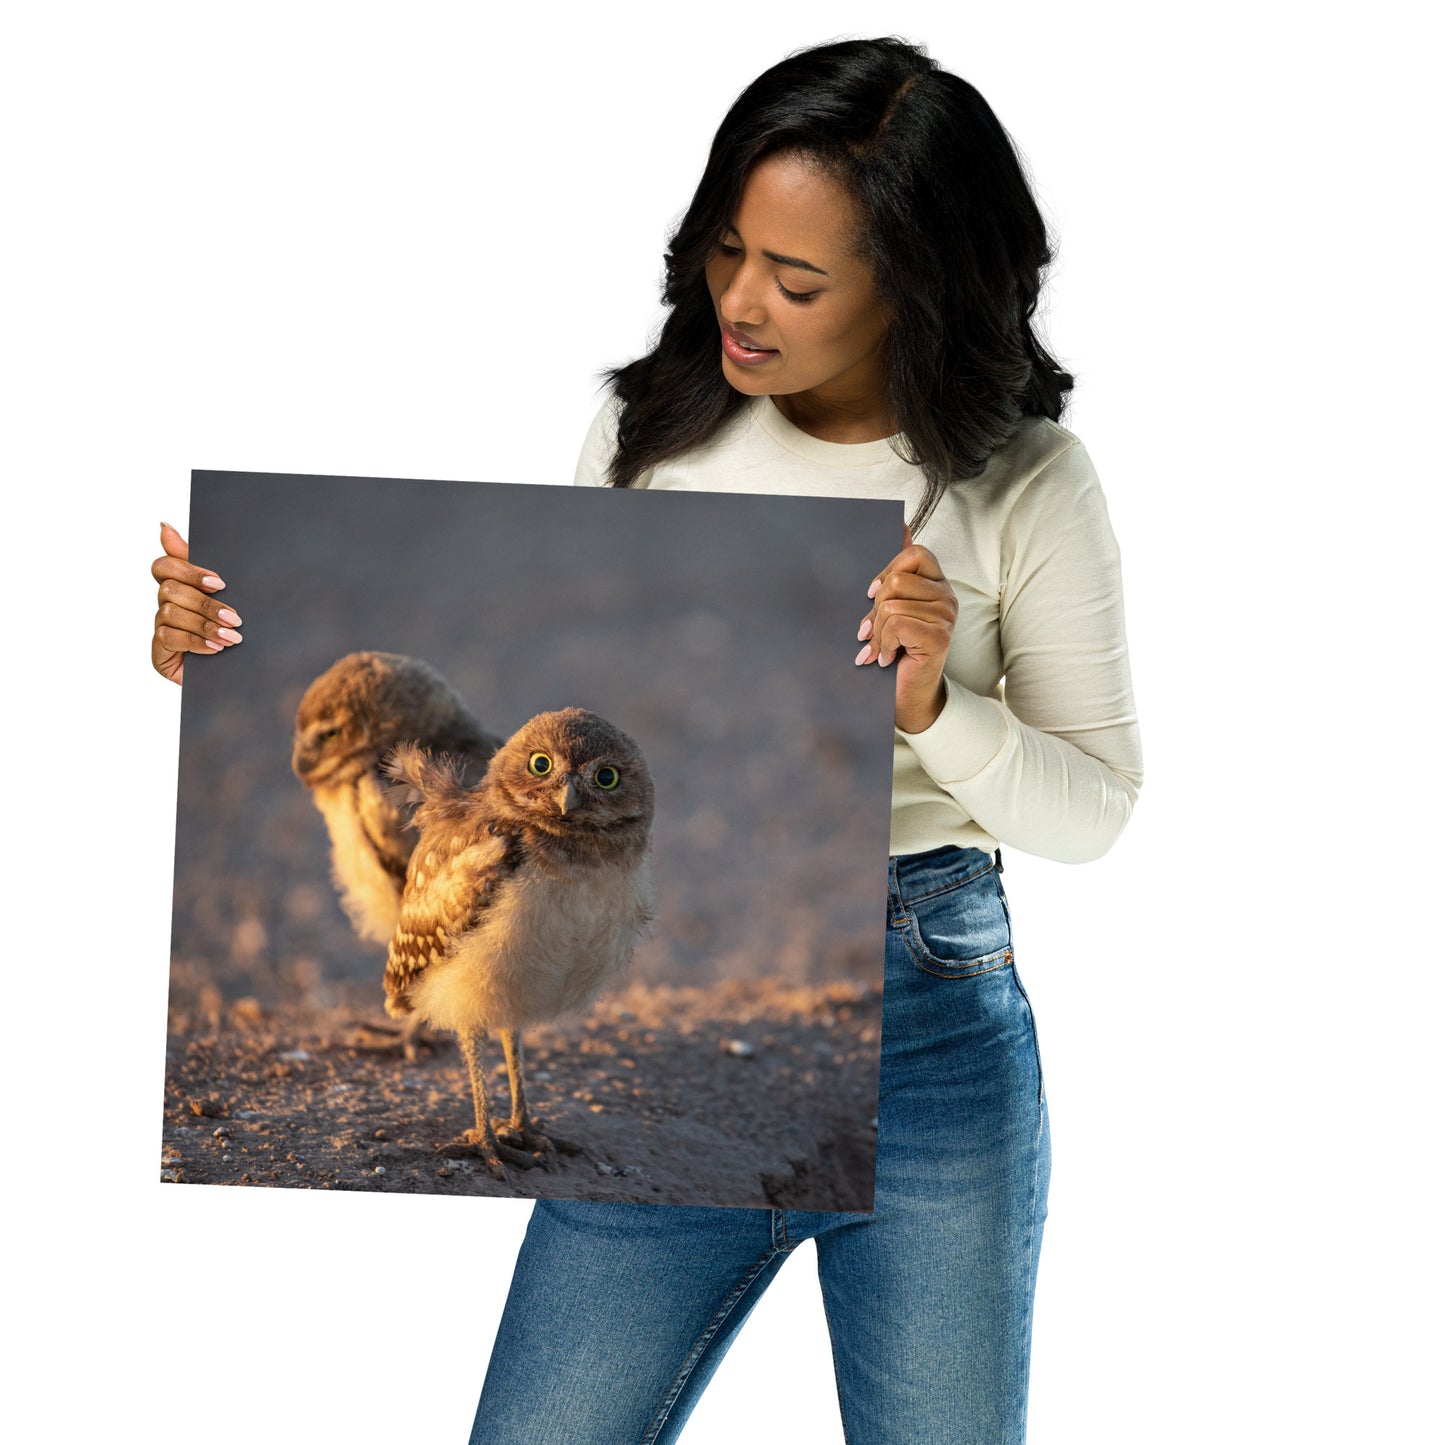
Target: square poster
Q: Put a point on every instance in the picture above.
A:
(734, 1059)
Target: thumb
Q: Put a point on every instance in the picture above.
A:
(173, 544)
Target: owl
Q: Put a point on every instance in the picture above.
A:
(525, 895)
(349, 720)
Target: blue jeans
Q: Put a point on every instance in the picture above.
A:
(619, 1313)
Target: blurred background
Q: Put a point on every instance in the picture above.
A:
(716, 630)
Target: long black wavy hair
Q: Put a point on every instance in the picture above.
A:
(949, 226)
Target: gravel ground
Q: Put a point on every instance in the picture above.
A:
(751, 1094)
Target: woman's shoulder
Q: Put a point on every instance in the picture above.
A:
(1043, 466)
(1037, 482)
(1039, 447)
(599, 446)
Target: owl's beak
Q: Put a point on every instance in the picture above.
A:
(568, 795)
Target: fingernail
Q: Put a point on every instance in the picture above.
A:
(866, 630)
(863, 655)
(215, 646)
(877, 583)
(227, 634)
(214, 583)
(228, 615)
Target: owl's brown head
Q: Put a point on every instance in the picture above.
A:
(366, 703)
(574, 776)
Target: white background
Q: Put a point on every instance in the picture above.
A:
(400, 242)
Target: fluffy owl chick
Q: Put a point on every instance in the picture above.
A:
(525, 895)
(350, 719)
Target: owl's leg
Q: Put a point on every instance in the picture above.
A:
(518, 1130)
(402, 1038)
(482, 1138)
(512, 1048)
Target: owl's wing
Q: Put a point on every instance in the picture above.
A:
(471, 746)
(385, 826)
(453, 879)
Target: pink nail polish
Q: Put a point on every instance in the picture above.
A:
(230, 617)
(229, 634)
(866, 630)
(863, 655)
(213, 583)
(877, 583)
(215, 646)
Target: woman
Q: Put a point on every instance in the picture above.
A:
(850, 299)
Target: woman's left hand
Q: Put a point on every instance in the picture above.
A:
(914, 610)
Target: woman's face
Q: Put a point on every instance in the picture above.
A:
(796, 305)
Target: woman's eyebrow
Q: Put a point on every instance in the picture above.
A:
(795, 261)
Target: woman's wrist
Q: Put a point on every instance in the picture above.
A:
(919, 717)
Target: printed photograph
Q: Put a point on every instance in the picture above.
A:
(533, 844)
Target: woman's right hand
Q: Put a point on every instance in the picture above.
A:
(189, 618)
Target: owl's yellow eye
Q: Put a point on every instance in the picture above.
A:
(540, 764)
(607, 777)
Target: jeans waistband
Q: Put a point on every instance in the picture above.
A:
(912, 876)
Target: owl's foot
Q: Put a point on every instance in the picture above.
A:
(524, 1141)
(387, 1038)
(540, 1146)
(475, 1143)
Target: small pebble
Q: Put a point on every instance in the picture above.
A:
(738, 1048)
(221, 1133)
(299, 1056)
(225, 1158)
(606, 1169)
(206, 1108)
(380, 1134)
(380, 1169)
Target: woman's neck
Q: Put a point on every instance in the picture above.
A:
(838, 420)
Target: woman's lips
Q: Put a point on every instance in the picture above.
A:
(739, 347)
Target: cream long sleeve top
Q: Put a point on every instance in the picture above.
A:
(1037, 746)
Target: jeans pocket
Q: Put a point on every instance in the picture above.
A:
(962, 930)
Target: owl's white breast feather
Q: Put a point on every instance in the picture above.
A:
(549, 941)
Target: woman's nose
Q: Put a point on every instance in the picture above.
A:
(742, 300)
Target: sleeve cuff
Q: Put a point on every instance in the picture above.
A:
(963, 739)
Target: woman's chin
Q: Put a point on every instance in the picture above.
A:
(746, 380)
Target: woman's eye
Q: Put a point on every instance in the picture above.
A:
(796, 295)
(723, 249)
(539, 764)
(607, 777)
